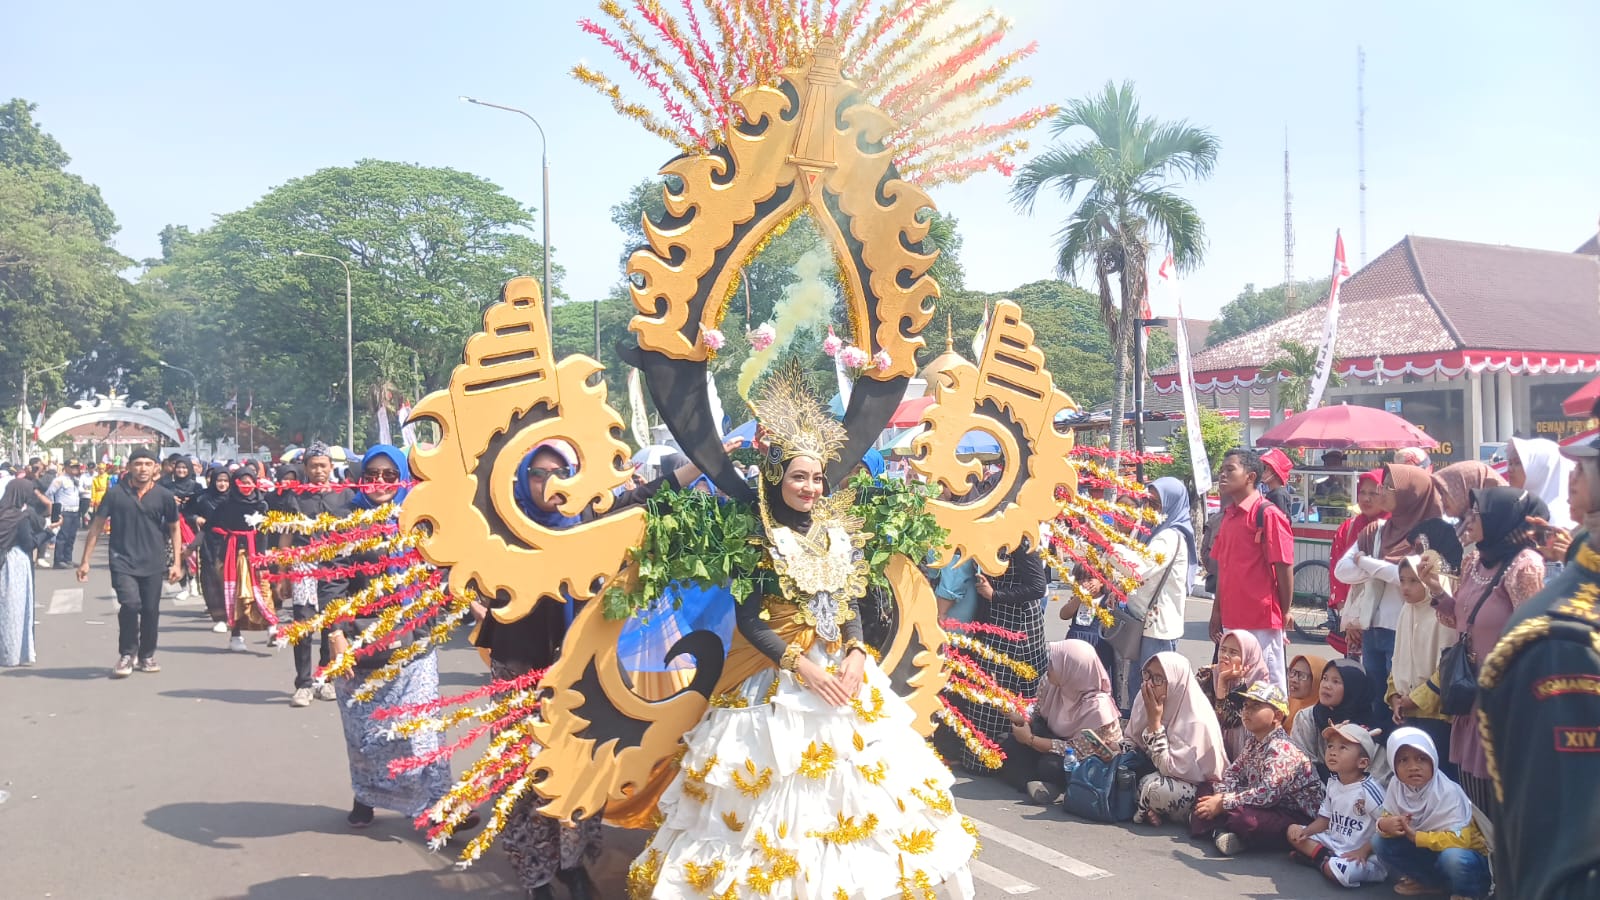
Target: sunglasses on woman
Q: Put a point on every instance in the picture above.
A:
(540, 473)
(387, 476)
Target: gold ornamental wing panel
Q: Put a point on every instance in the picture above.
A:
(1009, 396)
(603, 746)
(790, 155)
(508, 397)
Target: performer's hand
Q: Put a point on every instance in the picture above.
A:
(83, 571)
(821, 682)
(174, 573)
(985, 588)
(850, 674)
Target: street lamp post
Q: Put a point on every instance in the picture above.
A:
(26, 375)
(349, 353)
(194, 439)
(544, 161)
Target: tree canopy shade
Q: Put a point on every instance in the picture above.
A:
(1121, 176)
(1252, 308)
(427, 249)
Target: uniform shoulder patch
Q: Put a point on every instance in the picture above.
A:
(1577, 739)
(1558, 685)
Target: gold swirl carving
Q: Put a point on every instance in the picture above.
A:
(508, 397)
(1010, 396)
(584, 766)
(805, 161)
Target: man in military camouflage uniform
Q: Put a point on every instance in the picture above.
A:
(1540, 717)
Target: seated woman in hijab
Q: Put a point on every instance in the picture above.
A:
(1345, 694)
(1075, 710)
(1174, 724)
(1239, 664)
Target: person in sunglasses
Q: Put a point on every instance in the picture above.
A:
(541, 849)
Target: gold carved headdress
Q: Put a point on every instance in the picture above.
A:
(797, 423)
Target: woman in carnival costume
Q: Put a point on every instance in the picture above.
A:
(806, 779)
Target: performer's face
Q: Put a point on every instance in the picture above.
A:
(546, 464)
(380, 478)
(803, 484)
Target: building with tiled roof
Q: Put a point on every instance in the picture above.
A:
(1475, 342)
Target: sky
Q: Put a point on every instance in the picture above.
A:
(1482, 123)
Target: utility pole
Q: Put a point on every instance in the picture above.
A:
(1361, 143)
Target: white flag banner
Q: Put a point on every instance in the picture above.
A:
(1167, 276)
(845, 383)
(716, 405)
(408, 430)
(638, 417)
(1330, 325)
(385, 434)
(194, 421)
(982, 335)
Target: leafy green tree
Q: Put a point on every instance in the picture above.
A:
(1217, 433)
(1125, 170)
(1253, 309)
(428, 248)
(1295, 367)
(59, 283)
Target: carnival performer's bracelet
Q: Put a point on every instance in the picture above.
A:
(791, 658)
(854, 644)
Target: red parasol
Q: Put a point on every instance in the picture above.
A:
(909, 413)
(1346, 427)
(1582, 402)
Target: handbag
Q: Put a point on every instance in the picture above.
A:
(1458, 665)
(1104, 791)
(1127, 628)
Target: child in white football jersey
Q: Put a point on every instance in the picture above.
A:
(1339, 841)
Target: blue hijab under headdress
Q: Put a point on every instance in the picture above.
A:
(873, 460)
(396, 456)
(1175, 514)
(523, 494)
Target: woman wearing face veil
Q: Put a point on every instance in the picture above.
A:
(805, 778)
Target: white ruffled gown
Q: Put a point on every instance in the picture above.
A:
(794, 799)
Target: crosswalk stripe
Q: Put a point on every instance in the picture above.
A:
(66, 601)
(1005, 881)
(1040, 852)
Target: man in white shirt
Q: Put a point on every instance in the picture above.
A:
(64, 503)
(85, 491)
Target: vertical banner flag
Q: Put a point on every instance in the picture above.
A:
(638, 417)
(716, 405)
(408, 431)
(250, 405)
(385, 432)
(1330, 325)
(982, 335)
(182, 438)
(233, 402)
(39, 422)
(1167, 276)
(23, 419)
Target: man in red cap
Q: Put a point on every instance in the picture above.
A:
(1276, 479)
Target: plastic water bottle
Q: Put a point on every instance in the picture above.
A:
(1069, 762)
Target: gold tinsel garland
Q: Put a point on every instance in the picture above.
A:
(293, 523)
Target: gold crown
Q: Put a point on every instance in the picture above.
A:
(796, 422)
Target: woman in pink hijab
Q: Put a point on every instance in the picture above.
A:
(1174, 724)
(1239, 664)
(1074, 710)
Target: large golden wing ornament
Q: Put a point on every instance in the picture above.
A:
(1011, 397)
(509, 396)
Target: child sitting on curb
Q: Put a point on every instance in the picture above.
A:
(1426, 834)
(1339, 842)
(1270, 786)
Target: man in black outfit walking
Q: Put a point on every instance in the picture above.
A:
(145, 545)
(313, 594)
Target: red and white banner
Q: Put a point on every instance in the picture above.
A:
(1330, 325)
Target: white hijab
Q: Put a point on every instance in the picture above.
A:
(1419, 638)
(1439, 805)
(1547, 472)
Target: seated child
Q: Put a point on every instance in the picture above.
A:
(1426, 834)
(1340, 840)
(1270, 786)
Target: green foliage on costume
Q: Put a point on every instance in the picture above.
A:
(896, 520)
(690, 537)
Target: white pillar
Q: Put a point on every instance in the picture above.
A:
(1487, 412)
(1274, 398)
(1474, 407)
(1244, 417)
(1507, 413)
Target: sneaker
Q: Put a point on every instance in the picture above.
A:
(1229, 844)
(1041, 793)
(220, 628)
(360, 814)
(183, 594)
(44, 563)
(302, 697)
(147, 665)
(325, 691)
(276, 640)
(124, 667)
(236, 644)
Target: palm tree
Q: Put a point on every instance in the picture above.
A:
(1294, 369)
(1126, 168)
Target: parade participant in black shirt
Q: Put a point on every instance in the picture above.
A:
(145, 543)
(310, 594)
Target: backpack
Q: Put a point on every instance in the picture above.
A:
(1104, 791)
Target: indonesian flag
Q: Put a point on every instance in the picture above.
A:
(1330, 325)
(250, 404)
(38, 423)
(23, 419)
(182, 438)
(233, 402)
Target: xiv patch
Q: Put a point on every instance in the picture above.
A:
(1577, 740)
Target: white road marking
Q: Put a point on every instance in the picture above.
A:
(1005, 881)
(66, 601)
(1040, 852)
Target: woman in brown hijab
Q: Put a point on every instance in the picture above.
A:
(1455, 484)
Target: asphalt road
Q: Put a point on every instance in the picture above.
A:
(201, 782)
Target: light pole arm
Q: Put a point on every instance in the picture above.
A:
(544, 214)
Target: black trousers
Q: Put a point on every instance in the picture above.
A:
(302, 649)
(138, 612)
(66, 537)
